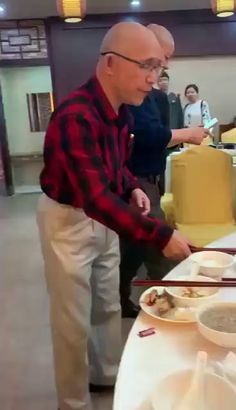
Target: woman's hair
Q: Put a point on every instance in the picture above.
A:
(164, 74)
(194, 86)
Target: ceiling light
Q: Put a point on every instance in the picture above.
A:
(225, 14)
(135, 3)
(73, 11)
(2, 9)
(73, 19)
(223, 8)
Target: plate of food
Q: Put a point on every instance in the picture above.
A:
(177, 304)
(157, 303)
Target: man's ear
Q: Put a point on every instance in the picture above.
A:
(109, 64)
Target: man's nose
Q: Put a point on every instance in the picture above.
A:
(152, 77)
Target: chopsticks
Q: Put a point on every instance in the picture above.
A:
(225, 283)
(230, 251)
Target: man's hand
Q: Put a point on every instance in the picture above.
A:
(197, 135)
(177, 247)
(140, 200)
(188, 135)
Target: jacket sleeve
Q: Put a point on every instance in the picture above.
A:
(150, 134)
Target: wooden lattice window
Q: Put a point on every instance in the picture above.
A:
(22, 39)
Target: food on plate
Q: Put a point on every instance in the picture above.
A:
(185, 314)
(151, 298)
(160, 299)
(193, 293)
(220, 319)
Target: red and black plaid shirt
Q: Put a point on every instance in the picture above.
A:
(85, 152)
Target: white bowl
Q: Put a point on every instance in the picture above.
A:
(206, 260)
(183, 301)
(221, 338)
(169, 392)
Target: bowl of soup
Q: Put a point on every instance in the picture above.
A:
(212, 264)
(217, 322)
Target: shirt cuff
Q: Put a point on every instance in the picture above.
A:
(168, 136)
(164, 234)
(134, 184)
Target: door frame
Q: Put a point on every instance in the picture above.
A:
(7, 187)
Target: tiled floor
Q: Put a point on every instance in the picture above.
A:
(26, 371)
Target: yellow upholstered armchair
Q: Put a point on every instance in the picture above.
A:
(227, 132)
(229, 136)
(201, 185)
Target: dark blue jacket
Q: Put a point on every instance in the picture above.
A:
(151, 136)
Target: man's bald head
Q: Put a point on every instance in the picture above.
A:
(129, 63)
(131, 38)
(164, 38)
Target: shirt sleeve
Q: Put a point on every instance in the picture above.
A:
(81, 158)
(206, 116)
(130, 182)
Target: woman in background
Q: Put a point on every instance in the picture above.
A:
(196, 111)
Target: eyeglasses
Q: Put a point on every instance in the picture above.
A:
(144, 65)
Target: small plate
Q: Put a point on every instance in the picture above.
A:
(152, 310)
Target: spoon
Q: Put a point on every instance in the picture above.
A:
(194, 271)
(194, 398)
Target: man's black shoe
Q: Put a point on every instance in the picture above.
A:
(100, 388)
(129, 310)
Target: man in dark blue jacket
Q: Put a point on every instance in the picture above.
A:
(148, 161)
(152, 136)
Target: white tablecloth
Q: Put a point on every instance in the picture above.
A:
(148, 360)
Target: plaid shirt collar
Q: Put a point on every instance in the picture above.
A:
(104, 106)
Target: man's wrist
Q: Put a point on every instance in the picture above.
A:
(188, 135)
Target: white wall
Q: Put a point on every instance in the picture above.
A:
(216, 79)
(16, 83)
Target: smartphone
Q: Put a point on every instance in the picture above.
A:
(211, 123)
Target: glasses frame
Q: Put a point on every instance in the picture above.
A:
(142, 64)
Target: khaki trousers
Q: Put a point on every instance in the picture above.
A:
(82, 273)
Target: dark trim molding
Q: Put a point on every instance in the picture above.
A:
(73, 48)
(167, 18)
(25, 63)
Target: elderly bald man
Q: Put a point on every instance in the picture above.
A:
(82, 210)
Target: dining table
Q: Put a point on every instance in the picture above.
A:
(146, 361)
